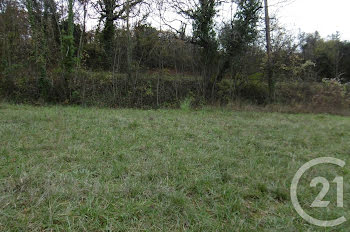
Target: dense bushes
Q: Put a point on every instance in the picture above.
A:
(328, 96)
(169, 90)
(102, 89)
(253, 89)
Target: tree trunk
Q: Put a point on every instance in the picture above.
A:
(128, 46)
(80, 50)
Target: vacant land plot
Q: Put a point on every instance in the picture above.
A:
(89, 169)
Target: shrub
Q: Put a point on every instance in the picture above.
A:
(186, 104)
(331, 94)
(102, 89)
(225, 90)
(255, 89)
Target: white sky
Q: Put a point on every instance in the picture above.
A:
(325, 16)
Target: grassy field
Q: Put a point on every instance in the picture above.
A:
(90, 169)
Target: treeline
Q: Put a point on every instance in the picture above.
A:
(48, 54)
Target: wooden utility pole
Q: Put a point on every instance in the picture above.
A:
(268, 48)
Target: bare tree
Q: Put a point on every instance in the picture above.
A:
(84, 3)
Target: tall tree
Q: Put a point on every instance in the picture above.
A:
(202, 14)
(237, 35)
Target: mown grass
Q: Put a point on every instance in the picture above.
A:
(89, 169)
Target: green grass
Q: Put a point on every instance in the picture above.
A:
(90, 169)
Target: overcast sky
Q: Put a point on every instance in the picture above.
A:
(325, 16)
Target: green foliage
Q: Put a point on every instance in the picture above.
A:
(331, 57)
(204, 36)
(226, 90)
(238, 36)
(252, 88)
(68, 52)
(246, 20)
(94, 57)
(242, 30)
(44, 88)
(37, 59)
(203, 24)
(255, 89)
